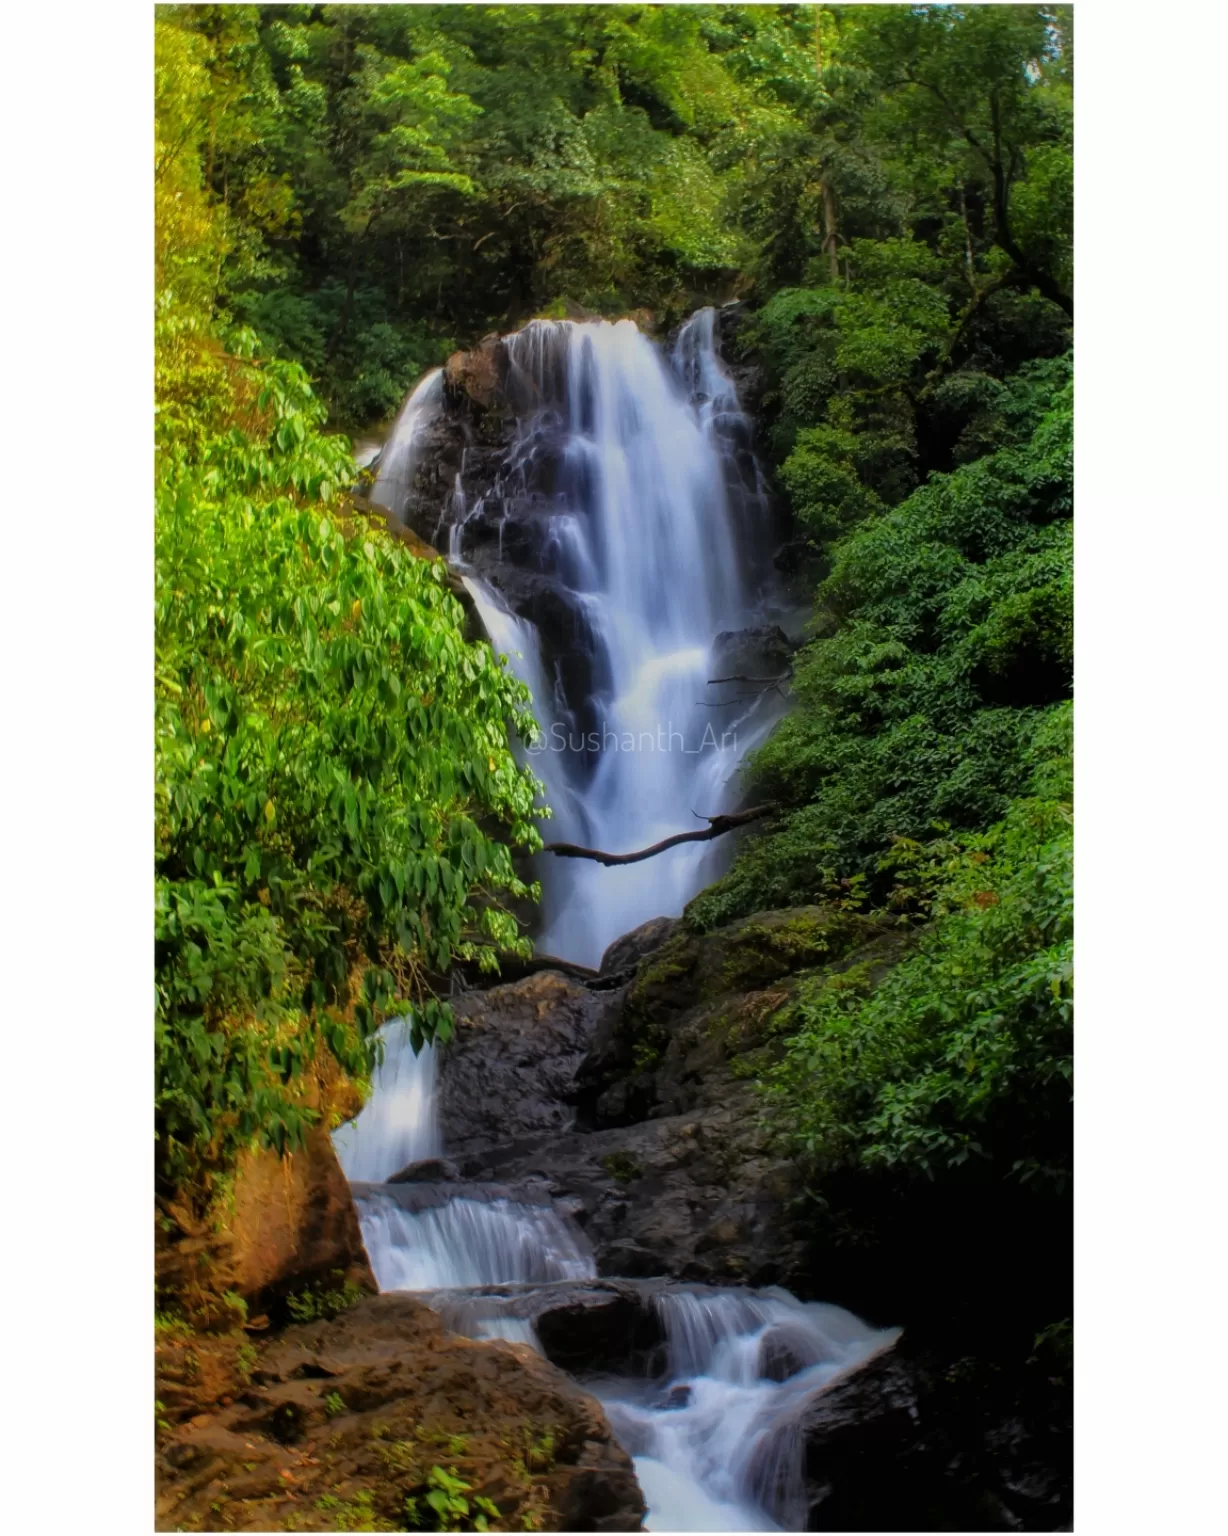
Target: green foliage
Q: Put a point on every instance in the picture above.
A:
(336, 795)
(952, 648)
(621, 1166)
(354, 1514)
(236, 1305)
(314, 1302)
(962, 1054)
(169, 1327)
(397, 176)
(334, 1404)
(452, 1504)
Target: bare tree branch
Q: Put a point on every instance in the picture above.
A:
(717, 827)
(740, 677)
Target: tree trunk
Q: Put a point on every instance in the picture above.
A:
(829, 230)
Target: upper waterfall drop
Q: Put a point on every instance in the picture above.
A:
(633, 472)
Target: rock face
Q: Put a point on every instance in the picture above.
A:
(294, 1222)
(631, 1103)
(762, 652)
(342, 1422)
(290, 1222)
(512, 1069)
(626, 953)
(479, 375)
(582, 1325)
(427, 1170)
(901, 1443)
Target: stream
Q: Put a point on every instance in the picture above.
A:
(632, 467)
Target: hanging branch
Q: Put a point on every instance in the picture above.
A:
(717, 827)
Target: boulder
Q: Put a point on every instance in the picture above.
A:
(759, 652)
(479, 375)
(427, 1170)
(511, 1069)
(288, 1222)
(344, 1421)
(626, 953)
(908, 1441)
(294, 1223)
(632, 1103)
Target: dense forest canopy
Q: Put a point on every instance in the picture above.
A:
(399, 179)
(348, 192)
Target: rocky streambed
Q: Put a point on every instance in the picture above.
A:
(621, 1110)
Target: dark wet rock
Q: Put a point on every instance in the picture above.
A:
(633, 1104)
(512, 1069)
(427, 1170)
(760, 652)
(678, 1396)
(424, 1196)
(626, 953)
(350, 1415)
(911, 1441)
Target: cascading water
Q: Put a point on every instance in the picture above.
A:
(715, 1448)
(635, 472)
(458, 1242)
(398, 459)
(398, 1124)
(639, 465)
(714, 1443)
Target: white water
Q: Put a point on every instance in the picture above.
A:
(398, 459)
(463, 1242)
(470, 1242)
(398, 1124)
(652, 498)
(643, 532)
(728, 1458)
(725, 1458)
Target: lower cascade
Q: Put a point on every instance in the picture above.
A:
(710, 1418)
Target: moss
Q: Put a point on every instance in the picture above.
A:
(622, 1167)
(773, 945)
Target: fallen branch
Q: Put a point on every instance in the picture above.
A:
(717, 827)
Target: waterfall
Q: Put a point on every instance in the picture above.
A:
(639, 465)
(633, 501)
(398, 1124)
(715, 1446)
(715, 1443)
(398, 460)
(470, 1242)
(461, 1241)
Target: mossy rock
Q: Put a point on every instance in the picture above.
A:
(744, 957)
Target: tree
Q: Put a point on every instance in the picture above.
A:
(336, 795)
(984, 87)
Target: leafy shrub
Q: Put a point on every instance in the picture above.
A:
(953, 644)
(962, 1054)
